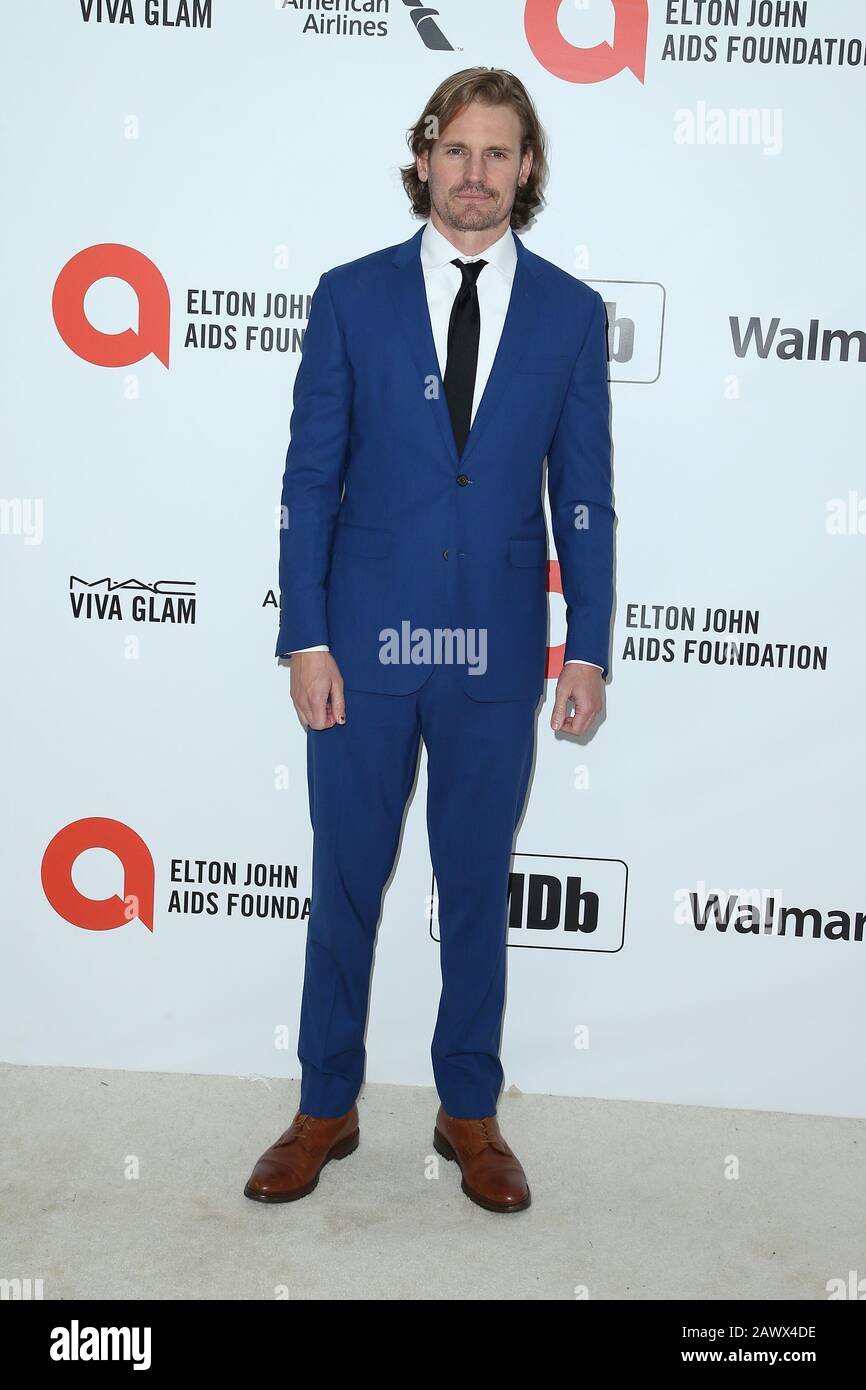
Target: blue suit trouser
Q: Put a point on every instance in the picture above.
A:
(360, 774)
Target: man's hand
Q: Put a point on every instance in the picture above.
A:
(317, 690)
(583, 685)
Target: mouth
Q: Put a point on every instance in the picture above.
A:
(473, 197)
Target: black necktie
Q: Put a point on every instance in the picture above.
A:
(464, 328)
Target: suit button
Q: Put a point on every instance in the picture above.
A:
(444, 554)
(462, 479)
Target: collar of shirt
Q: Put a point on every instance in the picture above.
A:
(437, 251)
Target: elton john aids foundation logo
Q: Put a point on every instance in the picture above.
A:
(112, 261)
(99, 914)
(597, 64)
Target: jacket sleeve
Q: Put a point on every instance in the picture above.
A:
(313, 477)
(581, 499)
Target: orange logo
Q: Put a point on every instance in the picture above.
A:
(111, 260)
(99, 914)
(563, 59)
(555, 655)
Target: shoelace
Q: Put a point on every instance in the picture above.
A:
(295, 1133)
(491, 1141)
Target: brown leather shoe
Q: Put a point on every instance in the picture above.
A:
(492, 1175)
(290, 1168)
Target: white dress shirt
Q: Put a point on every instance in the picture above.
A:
(442, 280)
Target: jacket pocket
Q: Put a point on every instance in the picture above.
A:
(527, 550)
(350, 539)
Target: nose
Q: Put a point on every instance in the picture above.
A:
(475, 170)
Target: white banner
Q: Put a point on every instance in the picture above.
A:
(688, 901)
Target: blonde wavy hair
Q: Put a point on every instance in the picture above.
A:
(493, 87)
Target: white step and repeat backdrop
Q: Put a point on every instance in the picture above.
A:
(688, 894)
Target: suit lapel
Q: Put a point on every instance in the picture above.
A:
(409, 295)
(520, 317)
(406, 284)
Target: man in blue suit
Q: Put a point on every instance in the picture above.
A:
(436, 377)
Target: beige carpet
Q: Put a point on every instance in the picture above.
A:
(129, 1185)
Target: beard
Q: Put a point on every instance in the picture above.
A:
(468, 216)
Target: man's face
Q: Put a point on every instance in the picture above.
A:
(473, 170)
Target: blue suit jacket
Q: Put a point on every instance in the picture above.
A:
(386, 529)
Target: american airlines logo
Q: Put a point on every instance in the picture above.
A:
(364, 19)
(427, 28)
(561, 903)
